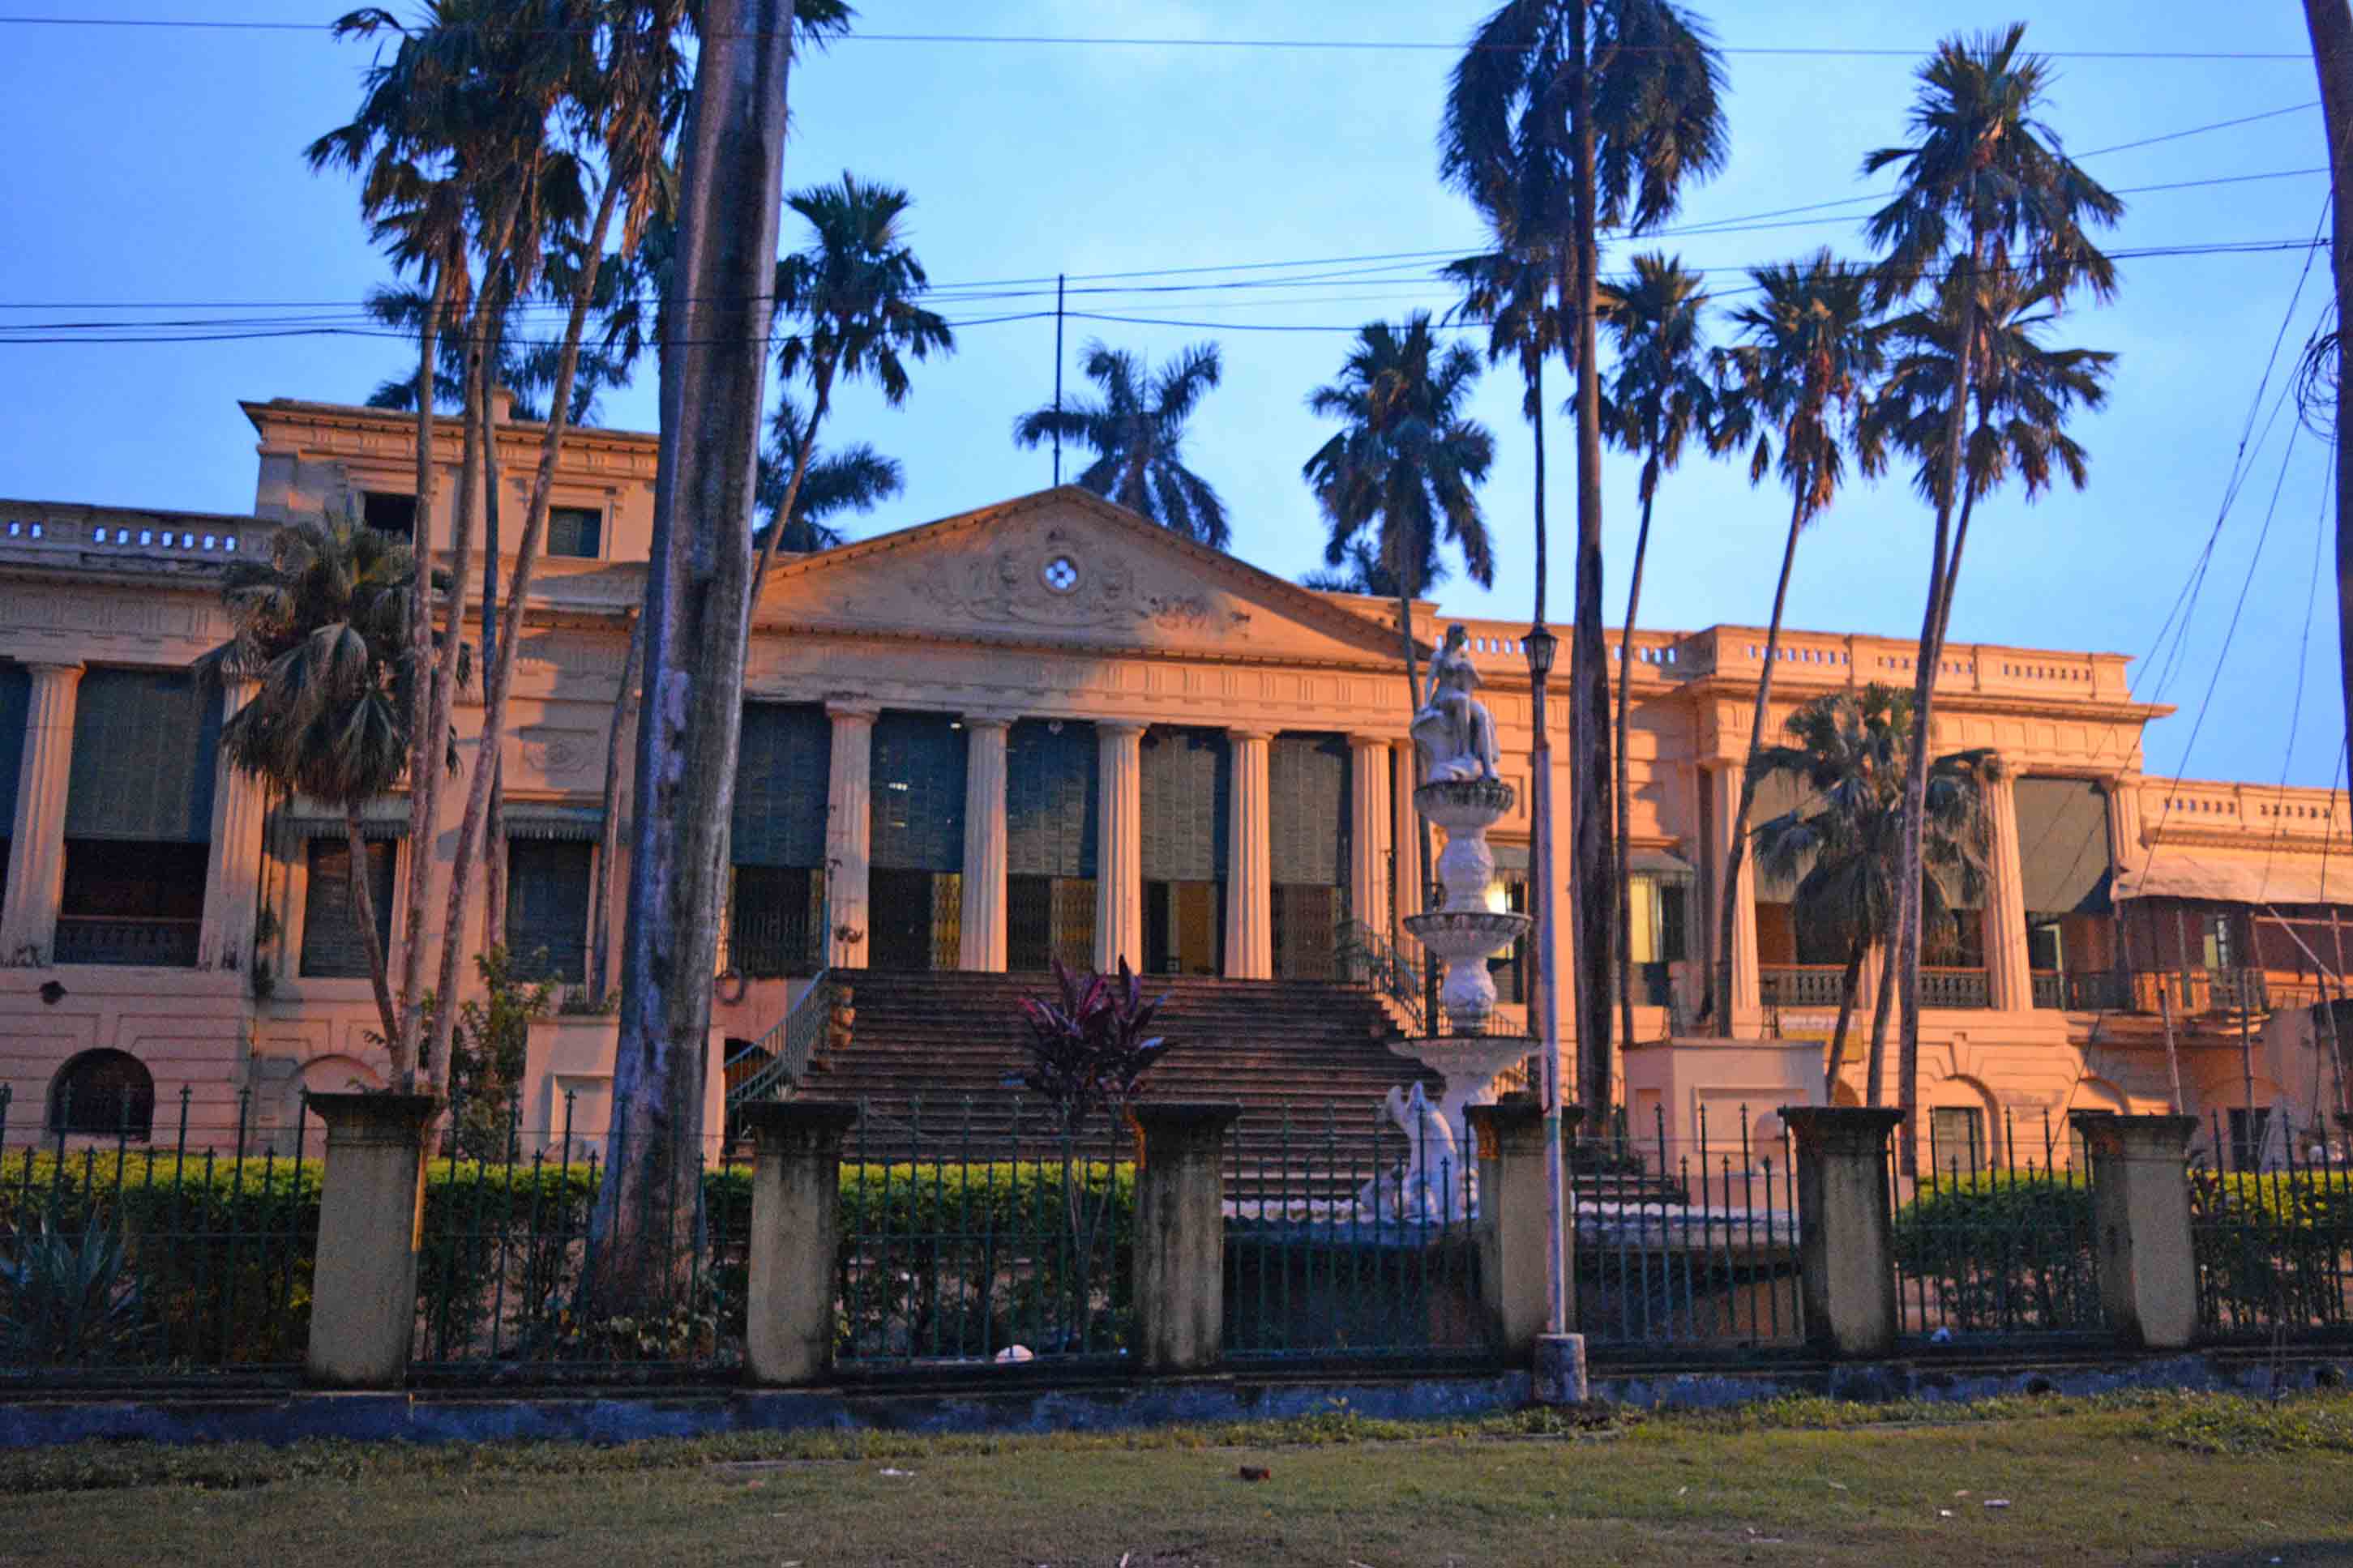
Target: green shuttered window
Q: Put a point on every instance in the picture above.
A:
(142, 758)
(1307, 809)
(1186, 789)
(1051, 799)
(782, 777)
(331, 947)
(918, 793)
(547, 907)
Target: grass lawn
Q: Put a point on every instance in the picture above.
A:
(2147, 1479)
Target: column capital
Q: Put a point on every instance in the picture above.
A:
(1121, 727)
(1359, 742)
(1249, 732)
(853, 707)
(1841, 1129)
(54, 669)
(990, 721)
(787, 1127)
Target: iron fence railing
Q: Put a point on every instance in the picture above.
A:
(127, 940)
(509, 1270)
(172, 1253)
(965, 1241)
(1345, 1239)
(1689, 1245)
(2271, 1212)
(780, 1059)
(1994, 1240)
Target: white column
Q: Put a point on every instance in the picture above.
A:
(1250, 870)
(1368, 831)
(983, 940)
(2010, 979)
(233, 869)
(36, 877)
(1119, 845)
(848, 833)
(1723, 800)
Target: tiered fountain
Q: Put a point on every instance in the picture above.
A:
(1463, 795)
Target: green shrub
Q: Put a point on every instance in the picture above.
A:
(2001, 1253)
(2274, 1248)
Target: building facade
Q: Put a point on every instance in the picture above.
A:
(1044, 729)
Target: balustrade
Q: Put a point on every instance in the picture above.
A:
(127, 940)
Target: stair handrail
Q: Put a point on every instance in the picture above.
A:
(1365, 957)
(782, 1054)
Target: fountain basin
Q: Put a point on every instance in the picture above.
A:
(1468, 1063)
(1465, 934)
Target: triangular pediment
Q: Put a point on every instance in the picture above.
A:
(1065, 567)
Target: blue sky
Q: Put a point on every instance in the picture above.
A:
(163, 165)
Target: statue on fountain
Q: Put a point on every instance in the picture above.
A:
(1454, 732)
(1423, 1188)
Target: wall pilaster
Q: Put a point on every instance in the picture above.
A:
(28, 918)
(2009, 979)
(233, 869)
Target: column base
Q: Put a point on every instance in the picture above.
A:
(1560, 1370)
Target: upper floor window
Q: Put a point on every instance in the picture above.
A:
(576, 530)
(389, 511)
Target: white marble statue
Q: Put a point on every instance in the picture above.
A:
(1423, 1188)
(1454, 732)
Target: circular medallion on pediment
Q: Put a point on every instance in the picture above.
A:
(1060, 573)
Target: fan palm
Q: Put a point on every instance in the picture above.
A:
(1796, 393)
(323, 625)
(854, 479)
(1360, 571)
(1657, 394)
(1841, 846)
(1984, 194)
(854, 292)
(1406, 465)
(1137, 434)
(1564, 117)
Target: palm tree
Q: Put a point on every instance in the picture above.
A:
(1565, 117)
(322, 624)
(1984, 193)
(1841, 846)
(1137, 434)
(854, 479)
(1657, 397)
(854, 291)
(1407, 466)
(1360, 571)
(1796, 392)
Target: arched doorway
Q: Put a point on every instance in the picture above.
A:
(104, 1094)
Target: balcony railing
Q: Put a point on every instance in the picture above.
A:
(1800, 984)
(127, 940)
(1955, 988)
(2188, 992)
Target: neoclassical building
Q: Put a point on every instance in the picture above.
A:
(1047, 728)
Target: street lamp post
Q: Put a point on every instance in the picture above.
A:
(1542, 645)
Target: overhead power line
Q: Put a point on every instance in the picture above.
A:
(1113, 40)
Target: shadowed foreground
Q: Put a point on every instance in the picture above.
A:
(2170, 1479)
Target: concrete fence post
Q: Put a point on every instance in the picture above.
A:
(1513, 1216)
(1180, 1234)
(796, 1235)
(2140, 1217)
(371, 1217)
(1845, 1256)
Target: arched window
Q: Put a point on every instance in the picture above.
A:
(107, 1094)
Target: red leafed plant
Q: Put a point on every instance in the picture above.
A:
(1091, 1047)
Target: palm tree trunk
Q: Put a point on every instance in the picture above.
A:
(495, 863)
(697, 620)
(1589, 710)
(499, 678)
(1849, 983)
(608, 844)
(1738, 851)
(801, 461)
(1624, 800)
(1910, 866)
(2330, 24)
(363, 912)
(425, 748)
(1875, 1072)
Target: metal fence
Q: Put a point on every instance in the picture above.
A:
(507, 1259)
(995, 1238)
(147, 1253)
(1994, 1240)
(1345, 1239)
(1687, 1245)
(2270, 1219)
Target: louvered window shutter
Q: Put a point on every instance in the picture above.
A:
(1186, 787)
(1307, 809)
(547, 907)
(144, 744)
(917, 789)
(16, 701)
(783, 775)
(331, 948)
(1051, 799)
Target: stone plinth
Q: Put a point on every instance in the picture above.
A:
(1180, 1234)
(2140, 1217)
(1844, 1254)
(371, 1212)
(1515, 1211)
(796, 1232)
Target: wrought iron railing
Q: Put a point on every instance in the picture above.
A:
(127, 940)
(1800, 984)
(2270, 1223)
(1995, 1241)
(1363, 956)
(780, 1058)
(1955, 988)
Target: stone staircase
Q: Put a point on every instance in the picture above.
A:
(931, 1055)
